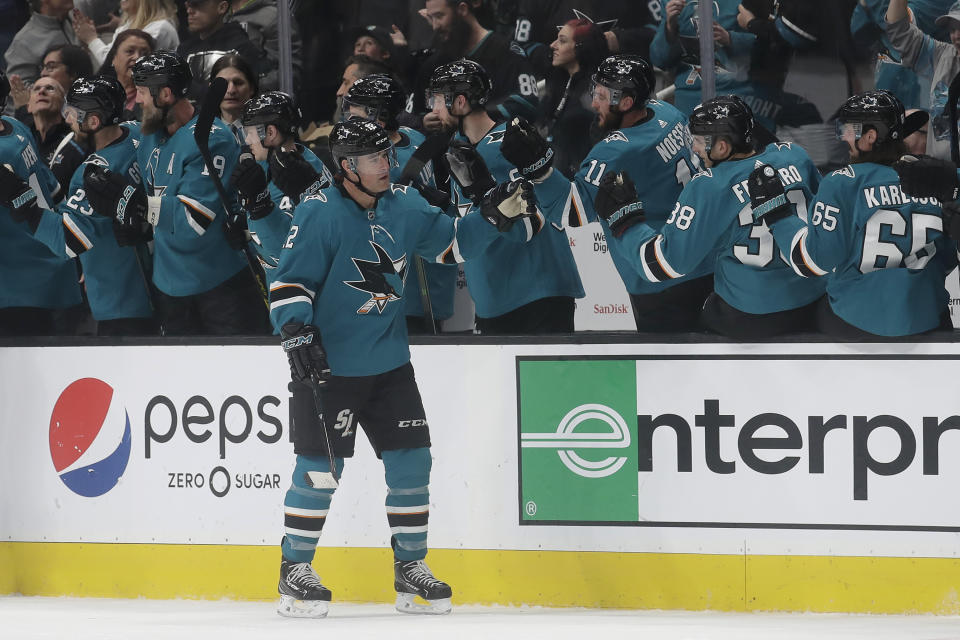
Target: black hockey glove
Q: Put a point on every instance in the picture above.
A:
(235, 230)
(129, 235)
(293, 175)
(435, 197)
(527, 150)
(617, 202)
(924, 176)
(308, 360)
(111, 195)
(16, 194)
(250, 182)
(951, 220)
(469, 170)
(767, 197)
(507, 202)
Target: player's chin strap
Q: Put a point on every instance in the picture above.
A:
(359, 185)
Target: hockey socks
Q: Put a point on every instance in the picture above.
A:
(305, 508)
(408, 500)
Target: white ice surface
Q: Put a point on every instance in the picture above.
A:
(29, 618)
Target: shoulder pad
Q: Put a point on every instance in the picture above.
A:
(846, 171)
(616, 136)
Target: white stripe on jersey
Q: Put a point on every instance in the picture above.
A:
(77, 233)
(658, 251)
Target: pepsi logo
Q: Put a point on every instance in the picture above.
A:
(89, 437)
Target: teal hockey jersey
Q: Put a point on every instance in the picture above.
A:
(345, 269)
(190, 252)
(656, 155)
(509, 275)
(113, 278)
(31, 275)
(884, 254)
(713, 216)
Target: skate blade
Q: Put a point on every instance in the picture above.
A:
(290, 607)
(407, 603)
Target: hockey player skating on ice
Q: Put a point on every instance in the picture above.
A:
(517, 289)
(648, 140)
(756, 293)
(204, 286)
(116, 288)
(270, 122)
(379, 98)
(337, 297)
(883, 253)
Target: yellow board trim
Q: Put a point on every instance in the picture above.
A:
(545, 578)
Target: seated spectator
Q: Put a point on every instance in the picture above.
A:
(565, 106)
(49, 26)
(63, 63)
(389, 49)
(241, 86)
(259, 20)
(128, 47)
(156, 17)
(53, 136)
(922, 53)
(211, 37)
(458, 34)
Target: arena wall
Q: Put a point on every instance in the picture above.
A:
(795, 477)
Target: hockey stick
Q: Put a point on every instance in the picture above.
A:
(953, 93)
(319, 479)
(424, 153)
(201, 134)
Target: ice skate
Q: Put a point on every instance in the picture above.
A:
(301, 594)
(413, 578)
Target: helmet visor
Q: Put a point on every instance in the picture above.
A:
(255, 132)
(604, 95)
(849, 131)
(374, 163)
(356, 110)
(73, 114)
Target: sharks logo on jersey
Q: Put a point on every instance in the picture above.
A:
(382, 278)
(496, 136)
(616, 136)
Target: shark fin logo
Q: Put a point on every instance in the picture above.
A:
(382, 279)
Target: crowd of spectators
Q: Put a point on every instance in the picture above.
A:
(541, 56)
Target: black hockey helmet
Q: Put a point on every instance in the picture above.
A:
(4, 88)
(727, 116)
(626, 75)
(352, 139)
(880, 110)
(163, 69)
(380, 96)
(98, 94)
(461, 77)
(272, 107)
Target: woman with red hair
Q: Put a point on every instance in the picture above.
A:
(565, 111)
